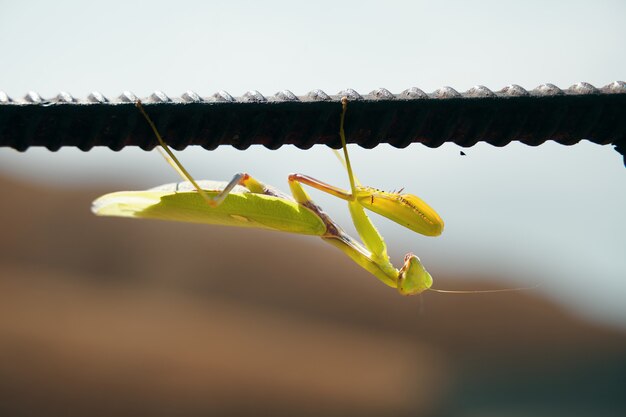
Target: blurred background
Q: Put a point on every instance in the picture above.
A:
(105, 316)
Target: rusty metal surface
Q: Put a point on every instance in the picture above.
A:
(511, 114)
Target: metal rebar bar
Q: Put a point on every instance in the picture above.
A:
(511, 114)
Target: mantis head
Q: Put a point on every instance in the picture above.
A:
(413, 277)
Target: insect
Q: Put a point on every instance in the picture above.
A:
(246, 202)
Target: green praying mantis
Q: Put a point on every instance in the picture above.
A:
(246, 202)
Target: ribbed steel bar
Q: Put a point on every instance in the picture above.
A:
(511, 114)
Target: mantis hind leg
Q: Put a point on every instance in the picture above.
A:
(241, 178)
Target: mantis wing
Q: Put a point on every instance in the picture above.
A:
(241, 208)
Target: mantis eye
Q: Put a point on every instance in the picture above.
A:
(413, 278)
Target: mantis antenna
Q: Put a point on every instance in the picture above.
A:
(484, 291)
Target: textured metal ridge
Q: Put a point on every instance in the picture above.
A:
(445, 115)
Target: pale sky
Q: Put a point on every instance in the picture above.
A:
(550, 214)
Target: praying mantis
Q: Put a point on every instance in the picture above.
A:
(246, 202)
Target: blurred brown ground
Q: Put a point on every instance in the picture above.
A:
(103, 316)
